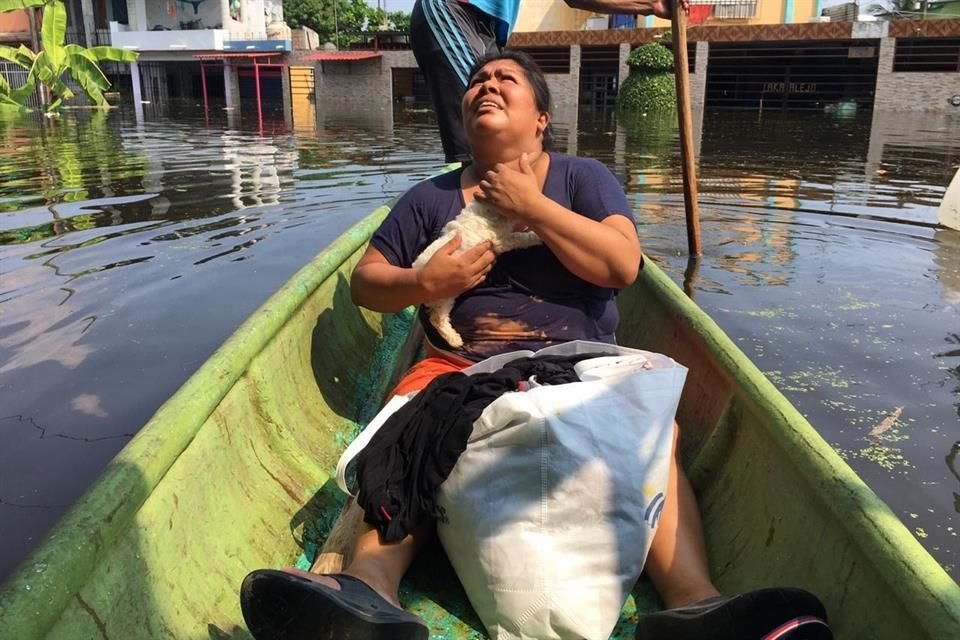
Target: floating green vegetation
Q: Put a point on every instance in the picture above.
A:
(855, 304)
(778, 312)
(883, 440)
(808, 380)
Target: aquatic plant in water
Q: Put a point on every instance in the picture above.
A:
(650, 88)
(56, 62)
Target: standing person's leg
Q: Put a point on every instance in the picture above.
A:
(447, 38)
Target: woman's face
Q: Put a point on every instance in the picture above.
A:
(500, 100)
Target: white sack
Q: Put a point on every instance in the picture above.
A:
(550, 511)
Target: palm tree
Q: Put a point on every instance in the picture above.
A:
(56, 60)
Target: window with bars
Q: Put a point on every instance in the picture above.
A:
(729, 9)
(550, 59)
(927, 54)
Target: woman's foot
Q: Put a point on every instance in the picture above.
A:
(764, 614)
(283, 605)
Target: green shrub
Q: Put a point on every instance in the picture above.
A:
(651, 57)
(651, 87)
(651, 93)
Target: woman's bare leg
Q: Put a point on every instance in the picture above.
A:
(677, 562)
(380, 566)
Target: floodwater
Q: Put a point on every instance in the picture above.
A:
(129, 252)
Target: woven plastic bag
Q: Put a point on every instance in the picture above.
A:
(549, 513)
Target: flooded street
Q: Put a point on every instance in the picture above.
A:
(129, 252)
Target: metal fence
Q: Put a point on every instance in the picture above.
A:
(16, 77)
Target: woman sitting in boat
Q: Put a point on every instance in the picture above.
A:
(559, 291)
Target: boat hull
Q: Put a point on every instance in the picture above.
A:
(234, 472)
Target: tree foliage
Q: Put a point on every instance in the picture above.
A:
(650, 88)
(57, 62)
(342, 21)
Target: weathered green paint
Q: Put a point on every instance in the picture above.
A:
(233, 473)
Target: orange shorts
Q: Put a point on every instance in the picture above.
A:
(422, 373)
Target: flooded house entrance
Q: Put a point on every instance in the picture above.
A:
(793, 76)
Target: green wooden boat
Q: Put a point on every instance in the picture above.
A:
(234, 473)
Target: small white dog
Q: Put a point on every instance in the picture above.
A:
(477, 223)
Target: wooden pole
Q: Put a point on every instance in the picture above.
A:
(687, 158)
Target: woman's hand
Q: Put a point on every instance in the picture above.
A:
(448, 274)
(514, 193)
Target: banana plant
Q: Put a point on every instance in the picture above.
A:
(57, 60)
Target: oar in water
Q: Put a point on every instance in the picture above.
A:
(682, 75)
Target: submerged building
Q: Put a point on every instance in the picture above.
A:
(744, 54)
(224, 50)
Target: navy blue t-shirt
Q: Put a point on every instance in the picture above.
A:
(529, 300)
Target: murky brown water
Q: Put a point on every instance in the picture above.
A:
(129, 252)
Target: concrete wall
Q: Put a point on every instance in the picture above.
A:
(167, 41)
(305, 39)
(913, 91)
(13, 25)
(565, 87)
(549, 15)
(365, 84)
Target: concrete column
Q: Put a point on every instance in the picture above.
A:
(89, 24)
(698, 81)
(624, 69)
(139, 15)
(137, 93)
(287, 97)
(882, 97)
(698, 92)
(575, 53)
(228, 87)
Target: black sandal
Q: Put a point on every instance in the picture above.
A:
(764, 614)
(282, 606)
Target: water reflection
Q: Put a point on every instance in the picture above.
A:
(946, 250)
(130, 250)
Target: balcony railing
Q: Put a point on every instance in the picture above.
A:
(729, 9)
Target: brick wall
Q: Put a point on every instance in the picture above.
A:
(913, 91)
(366, 84)
(363, 83)
(565, 87)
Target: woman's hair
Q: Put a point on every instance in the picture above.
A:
(541, 91)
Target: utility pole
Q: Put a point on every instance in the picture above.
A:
(336, 25)
(923, 9)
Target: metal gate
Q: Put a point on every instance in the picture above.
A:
(302, 97)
